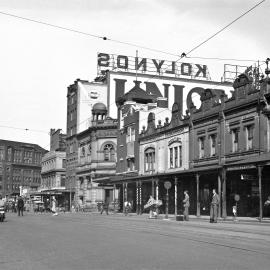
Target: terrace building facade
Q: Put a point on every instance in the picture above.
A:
(221, 144)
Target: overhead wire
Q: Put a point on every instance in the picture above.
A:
(24, 129)
(225, 27)
(185, 54)
(86, 33)
(136, 45)
(222, 59)
(133, 44)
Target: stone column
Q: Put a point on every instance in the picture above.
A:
(219, 193)
(198, 214)
(260, 191)
(175, 196)
(224, 203)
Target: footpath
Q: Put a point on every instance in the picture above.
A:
(229, 219)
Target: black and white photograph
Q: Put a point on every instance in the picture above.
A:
(134, 135)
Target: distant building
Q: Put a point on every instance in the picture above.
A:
(20, 167)
(57, 141)
(53, 171)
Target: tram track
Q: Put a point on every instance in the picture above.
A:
(178, 233)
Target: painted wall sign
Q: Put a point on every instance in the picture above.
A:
(143, 65)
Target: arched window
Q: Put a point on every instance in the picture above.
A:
(109, 152)
(149, 159)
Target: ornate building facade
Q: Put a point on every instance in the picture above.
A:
(96, 159)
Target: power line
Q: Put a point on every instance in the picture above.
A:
(86, 33)
(215, 34)
(137, 45)
(225, 27)
(132, 44)
(25, 129)
(223, 59)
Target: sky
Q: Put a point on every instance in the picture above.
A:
(39, 62)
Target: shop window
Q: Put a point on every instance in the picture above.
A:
(201, 147)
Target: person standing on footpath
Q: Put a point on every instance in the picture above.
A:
(20, 206)
(105, 207)
(54, 206)
(214, 207)
(186, 205)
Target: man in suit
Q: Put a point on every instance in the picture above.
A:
(214, 207)
(186, 205)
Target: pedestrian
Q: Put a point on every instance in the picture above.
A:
(214, 207)
(151, 204)
(127, 207)
(267, 202)
(13, 207)
(186, 206)
(105, 206)
(2, 202)
(20, 206)
(54, 207)
(267, 207)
